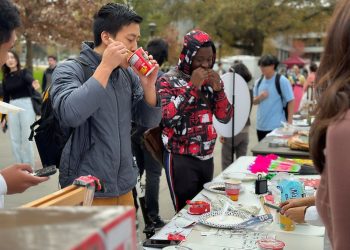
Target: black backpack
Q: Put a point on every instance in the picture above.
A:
(278, 88)
(50, 137)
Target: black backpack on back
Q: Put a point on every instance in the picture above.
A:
(50, 137)
(278, 88)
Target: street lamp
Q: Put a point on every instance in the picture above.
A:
(152, 28)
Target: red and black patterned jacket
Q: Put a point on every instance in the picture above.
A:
(187, 117)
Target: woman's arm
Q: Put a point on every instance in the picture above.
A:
(337, 164)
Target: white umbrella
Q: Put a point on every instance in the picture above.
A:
(241, 105)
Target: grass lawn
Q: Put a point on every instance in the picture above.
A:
(38, 74)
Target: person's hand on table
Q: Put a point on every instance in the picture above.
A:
(296, 214)
(298, 202)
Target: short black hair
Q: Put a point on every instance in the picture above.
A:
(51, 56)
(158, 48)
(111, 18)
(242, 70)
(9, 20)
(268, 60)
(313, 67)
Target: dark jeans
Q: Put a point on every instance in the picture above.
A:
(153, 169)
(186, 176)
(240, 148)
(262, 134)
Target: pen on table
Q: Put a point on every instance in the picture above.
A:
(277, 208)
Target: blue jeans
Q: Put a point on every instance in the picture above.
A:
(19, 129)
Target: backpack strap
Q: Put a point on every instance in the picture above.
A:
(278, 86)
(259, 82)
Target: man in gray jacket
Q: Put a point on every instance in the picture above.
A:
(101, 108)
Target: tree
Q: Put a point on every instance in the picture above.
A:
(246, 24)
(55, 21)
(157, 13)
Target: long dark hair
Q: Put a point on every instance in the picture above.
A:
(6, 70)
(332, 81)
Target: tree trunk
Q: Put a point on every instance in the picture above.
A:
(252, 43)
(257, 37)
(29, 53)
(258, 45)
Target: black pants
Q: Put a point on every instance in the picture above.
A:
(186, 176)
(262, 134)
(153, 169)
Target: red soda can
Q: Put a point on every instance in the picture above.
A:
(139, 59)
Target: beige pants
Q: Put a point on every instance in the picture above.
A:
(123, 200)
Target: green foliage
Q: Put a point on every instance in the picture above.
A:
(38, 73)
(246, 24)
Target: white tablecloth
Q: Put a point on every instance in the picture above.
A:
(303, 237)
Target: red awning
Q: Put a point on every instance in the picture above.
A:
(294, 60)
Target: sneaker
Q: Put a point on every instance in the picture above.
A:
(158, 222)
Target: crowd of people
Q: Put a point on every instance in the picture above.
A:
(109, 112)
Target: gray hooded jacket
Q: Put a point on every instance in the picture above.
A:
(108, 154)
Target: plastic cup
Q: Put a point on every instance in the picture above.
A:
(232, 188)
(286, 224)
(139, 59)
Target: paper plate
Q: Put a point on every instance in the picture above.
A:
(231, 219)
(217, 187)
(6, 108)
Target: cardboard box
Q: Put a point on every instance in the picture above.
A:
(75, 228)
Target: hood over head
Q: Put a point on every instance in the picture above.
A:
(193, 41)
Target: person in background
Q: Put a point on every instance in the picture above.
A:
(270, 111)
(158, 48)
(14, 178)
(297, 80)
(18, 88)
(307, 100)
(47, 77)
(191, 94)
(330, 132)
(242, 139)
(221, 70)
(310, 80)
(101, 109)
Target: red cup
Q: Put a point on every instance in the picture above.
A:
(139, 59)
(198, 207)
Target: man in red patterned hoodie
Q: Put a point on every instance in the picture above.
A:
(191, 94)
